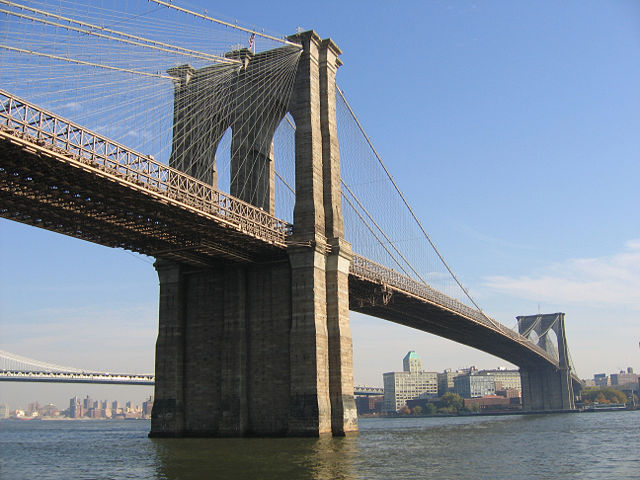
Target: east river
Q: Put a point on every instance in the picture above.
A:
(603, 445)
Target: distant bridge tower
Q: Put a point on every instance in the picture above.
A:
(547, 388)
(261, 347)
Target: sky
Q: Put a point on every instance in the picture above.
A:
(512, 129)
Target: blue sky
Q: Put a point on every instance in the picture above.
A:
(513, 130)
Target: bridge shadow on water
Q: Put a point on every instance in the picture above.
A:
(324, 458)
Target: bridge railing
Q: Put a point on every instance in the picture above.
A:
(32, 123)
(370, 270)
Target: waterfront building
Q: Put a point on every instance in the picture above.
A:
(504, 379)
(624, 378)
(509, 392)
(445, 381)
(492, 402)
(369, 404)
(411, 383)
(49, 410)
(471, 385)
(4, 411)
(601, 380)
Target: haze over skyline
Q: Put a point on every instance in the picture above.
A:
(512, 129)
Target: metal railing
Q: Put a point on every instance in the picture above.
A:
(47, 130)
(369, 270)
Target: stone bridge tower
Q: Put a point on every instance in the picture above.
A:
(547, 388)
(251, 348)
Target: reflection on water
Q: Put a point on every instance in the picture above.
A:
(568, 447)
(323, 458)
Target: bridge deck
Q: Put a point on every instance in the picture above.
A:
(384, 293)
(56, 175)
(75, 377)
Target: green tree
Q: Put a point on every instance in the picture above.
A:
(417, 410)
(451, 401)
(600, 398)
(603, 395)
(447, 410)
(430, 409)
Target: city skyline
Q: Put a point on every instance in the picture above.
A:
(512, 130)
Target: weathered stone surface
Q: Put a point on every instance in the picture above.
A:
(264, 349)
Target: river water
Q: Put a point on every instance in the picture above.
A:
(568, 446)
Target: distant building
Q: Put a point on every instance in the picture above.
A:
(411, 362)
(445, 381)
(493, 402)
(4, 411)
(509, 393)
(75, 408)
(624, 378)
(49, 410)
(504, 379)
(601, 380)
(408, 384)
(471, 385)
(369, 404)
(147, 407)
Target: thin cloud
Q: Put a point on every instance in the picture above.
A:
(612, 280)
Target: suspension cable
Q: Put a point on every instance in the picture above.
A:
(395, 185)
(226, 24)
(133, 39)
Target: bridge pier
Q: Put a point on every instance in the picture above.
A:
(265, 348)
(547, 388)
(222, 355)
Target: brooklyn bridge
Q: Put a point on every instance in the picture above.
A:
(243, 170)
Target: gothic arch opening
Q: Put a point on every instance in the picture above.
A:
(284, 168)
(222, 161)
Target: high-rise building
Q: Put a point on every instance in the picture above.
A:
(75, 408)
(4, 411)
(411, 362)
(147, 407)
(408, 384)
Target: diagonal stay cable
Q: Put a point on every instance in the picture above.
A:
(389, 240)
